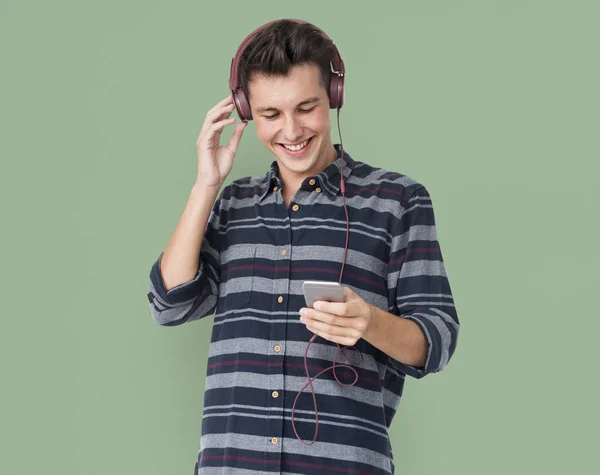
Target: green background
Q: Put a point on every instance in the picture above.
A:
(493, 105)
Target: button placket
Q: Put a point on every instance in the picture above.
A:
(275, 396)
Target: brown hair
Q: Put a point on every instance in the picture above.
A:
(283, 44)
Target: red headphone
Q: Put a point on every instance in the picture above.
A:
(336, 100)
(336, 88)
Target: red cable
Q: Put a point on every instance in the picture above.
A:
(340, 350)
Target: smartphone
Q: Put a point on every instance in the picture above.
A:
(322, 290)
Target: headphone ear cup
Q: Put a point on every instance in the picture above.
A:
(242, 105)
(336, 92)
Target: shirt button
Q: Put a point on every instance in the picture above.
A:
(284, 252)
(277, 348)
(280, 299)
(295, 207)
(274, 440)
(318, 190)
(312, 182)
(275, 188)
(275, 394)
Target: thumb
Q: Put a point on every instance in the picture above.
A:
(348, 293)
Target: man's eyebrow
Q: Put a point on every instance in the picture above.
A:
(302, 103)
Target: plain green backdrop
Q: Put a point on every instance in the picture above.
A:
(493, 105)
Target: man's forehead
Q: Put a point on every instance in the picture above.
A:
(302, 85)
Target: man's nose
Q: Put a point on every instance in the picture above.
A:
(292, 129)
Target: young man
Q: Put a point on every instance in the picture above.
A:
(244, 253)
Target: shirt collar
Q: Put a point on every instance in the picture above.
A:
(329, 177)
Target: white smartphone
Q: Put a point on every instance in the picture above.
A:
(322, 290)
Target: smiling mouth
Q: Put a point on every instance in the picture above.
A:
(297, 147)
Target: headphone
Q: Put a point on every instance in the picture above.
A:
(336, 100)
(336, 88)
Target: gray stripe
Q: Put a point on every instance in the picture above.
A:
(327, 450)
(379, 205)
(419, 268)
(390, 399)
(422, 232)
(423, 303)
(375, 177)
(447, 318)
(173, 313)
(300, 253)
(263, 284)
(410, 296)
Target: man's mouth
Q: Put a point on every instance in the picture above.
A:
(295, 149)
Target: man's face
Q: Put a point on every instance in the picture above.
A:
(283, 117)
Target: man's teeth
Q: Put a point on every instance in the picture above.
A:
(295, 148)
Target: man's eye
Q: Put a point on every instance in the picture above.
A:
(271, 117)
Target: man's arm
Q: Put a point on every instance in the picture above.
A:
(419, 289)
(421, 331)
(180, 260)
(184, 280)
(400, 338)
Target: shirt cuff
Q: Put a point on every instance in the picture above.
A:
(179, 294)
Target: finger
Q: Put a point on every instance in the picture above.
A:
(235, 138)
(218, 114)
(221, 124)
(226, 100)
(322, 328)
(214, 131)
(330, 319)
(335, 308)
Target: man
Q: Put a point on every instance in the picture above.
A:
(243, 254)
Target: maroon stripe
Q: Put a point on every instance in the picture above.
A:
(289, 462)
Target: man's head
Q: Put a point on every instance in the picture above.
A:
(285, 73)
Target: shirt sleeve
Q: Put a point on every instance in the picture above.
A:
(419, 289)
(196, 298)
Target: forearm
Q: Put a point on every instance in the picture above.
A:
(400, 338)
(180, 260)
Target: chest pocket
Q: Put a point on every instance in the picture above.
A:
(237, 278)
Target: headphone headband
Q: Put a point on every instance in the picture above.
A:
(336, 90)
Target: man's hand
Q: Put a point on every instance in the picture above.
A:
(341, 322)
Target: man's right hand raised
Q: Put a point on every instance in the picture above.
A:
(214, 160)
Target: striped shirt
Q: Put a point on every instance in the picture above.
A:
(255, 254)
